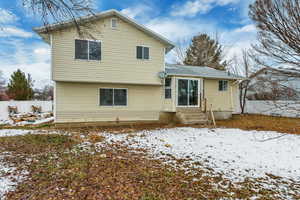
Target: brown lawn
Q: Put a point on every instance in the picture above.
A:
(262, 123)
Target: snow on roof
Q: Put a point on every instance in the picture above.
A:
(199, 71)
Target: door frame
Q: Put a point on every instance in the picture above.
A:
(177, 92)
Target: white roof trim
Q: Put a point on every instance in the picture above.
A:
(113, 12)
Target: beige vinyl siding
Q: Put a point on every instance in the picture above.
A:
(168, 104)
(118, 57)
(220, 100)
(79, 102)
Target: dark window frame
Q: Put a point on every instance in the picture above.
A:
(223, 85)
(143, 55)
(113, 97)
(88, 50)
(168, 88)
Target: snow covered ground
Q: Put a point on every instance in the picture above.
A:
(13, 132)
(22, 123)
(233, 152)
(8, 176)
(16, 132)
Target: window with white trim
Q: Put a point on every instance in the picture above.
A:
(168, 90)
(223, 85)
(142, 52)
(114, 23)
(113, 97)
(87, 49)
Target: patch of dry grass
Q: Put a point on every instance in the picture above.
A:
(262, 123)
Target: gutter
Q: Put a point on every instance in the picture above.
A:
(208, 77)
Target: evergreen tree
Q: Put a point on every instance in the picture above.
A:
(204, 51)
(20, 86)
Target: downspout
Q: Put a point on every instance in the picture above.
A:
(173, 88)
(51, 71)
(231, 98)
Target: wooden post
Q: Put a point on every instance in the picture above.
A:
(205, 104)
(212, 116)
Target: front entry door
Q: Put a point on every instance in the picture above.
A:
(188, 93)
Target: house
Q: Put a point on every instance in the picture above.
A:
(119, 75)
(274, 84)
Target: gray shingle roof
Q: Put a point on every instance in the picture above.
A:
(199, 71)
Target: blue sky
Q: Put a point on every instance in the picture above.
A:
(178, 20)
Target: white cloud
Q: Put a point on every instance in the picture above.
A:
(182, 30)
(40, 72)
(246, 29)
(192, 8)
(11, 31)
(238, 39)
(7, 25)
(42, 51)
(178, 29)
(7, 16)
(33, 59)
(138, 10)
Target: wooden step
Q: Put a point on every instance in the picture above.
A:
(192, 117)
(195, 122)
(195, 117)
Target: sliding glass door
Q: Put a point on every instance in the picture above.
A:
(188, 92)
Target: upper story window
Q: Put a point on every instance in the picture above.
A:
(87, 50)
(142, 52)
(114, 23)
(168, 90)
(223, 85)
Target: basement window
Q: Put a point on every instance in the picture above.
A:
(113, 97)
(223, 85)
(87, 50)
(168, 90)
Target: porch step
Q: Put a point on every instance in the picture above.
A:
(196, 122)
(192, 117)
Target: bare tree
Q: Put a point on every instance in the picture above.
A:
(44, 94)
(278, 23)
(242, 66)
(234, 66)
(56, 11)
(179, 52)
(245, 84)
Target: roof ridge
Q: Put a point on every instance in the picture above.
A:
(67, 23)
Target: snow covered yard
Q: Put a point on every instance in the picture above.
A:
(185, 162)
(9, 177)
(234, 153)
